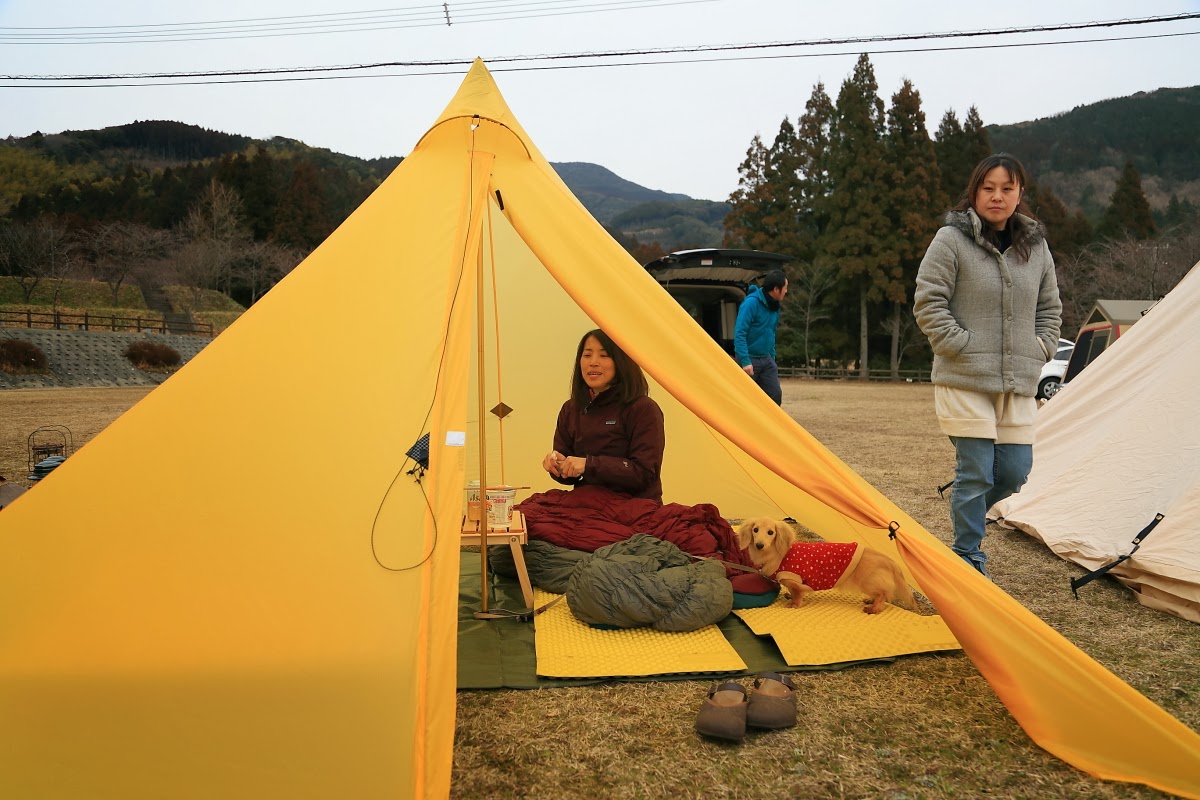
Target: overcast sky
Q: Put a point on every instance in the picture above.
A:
(680, 127)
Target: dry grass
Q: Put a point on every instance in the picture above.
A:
(85, 412)
(923, 727)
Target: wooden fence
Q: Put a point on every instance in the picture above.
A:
(843, 374)
(93, 322)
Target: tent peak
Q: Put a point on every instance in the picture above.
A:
(479, 96)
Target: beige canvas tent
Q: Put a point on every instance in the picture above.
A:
(1117, 446)
(246, 594)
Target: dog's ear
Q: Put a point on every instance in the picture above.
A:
(785, 536)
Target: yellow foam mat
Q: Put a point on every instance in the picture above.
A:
(831, 627)
(567, 648)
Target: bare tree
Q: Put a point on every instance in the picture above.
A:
(906, 336)
(263, 264)
(15, 256)
(1124, 269)
(198, 266)
(115, 250)
(217, 236)
(1076, 289)
(36, 251)
(807, 287)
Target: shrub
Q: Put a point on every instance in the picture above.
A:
(20, 357)
(153, 356)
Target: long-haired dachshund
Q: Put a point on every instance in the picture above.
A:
(804, 567)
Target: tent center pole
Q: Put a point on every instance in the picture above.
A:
(481, 415)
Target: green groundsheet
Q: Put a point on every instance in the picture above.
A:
(499, 653)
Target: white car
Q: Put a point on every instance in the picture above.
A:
(1054, 370)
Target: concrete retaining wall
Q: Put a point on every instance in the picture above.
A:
(92, 358)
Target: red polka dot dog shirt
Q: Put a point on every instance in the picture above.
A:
(819, 564)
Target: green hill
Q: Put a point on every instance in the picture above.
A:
(1080, 153)
(604, 193)
(675, 221)
(149, 171)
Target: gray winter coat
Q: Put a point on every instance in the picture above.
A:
(991, 318)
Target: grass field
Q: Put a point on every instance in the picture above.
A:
(71, 294)
(924, 727)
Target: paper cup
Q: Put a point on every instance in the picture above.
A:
(500, 506)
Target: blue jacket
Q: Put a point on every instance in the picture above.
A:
(754, 333)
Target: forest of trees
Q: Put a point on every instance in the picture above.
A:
(235, 222)
(853, 193)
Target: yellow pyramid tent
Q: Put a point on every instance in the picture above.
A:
(236, 590)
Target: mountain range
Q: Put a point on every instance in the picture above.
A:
(1079, 154)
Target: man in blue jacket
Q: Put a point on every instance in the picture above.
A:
(754, 334)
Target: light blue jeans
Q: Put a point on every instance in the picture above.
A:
(984, 474)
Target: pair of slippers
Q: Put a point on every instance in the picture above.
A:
(729, 709)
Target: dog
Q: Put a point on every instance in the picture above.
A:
(805, 567)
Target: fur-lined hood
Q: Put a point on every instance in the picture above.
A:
(1026, 229)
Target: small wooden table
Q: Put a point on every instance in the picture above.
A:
(514, 536)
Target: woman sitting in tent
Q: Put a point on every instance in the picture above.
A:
(609, 433)
(608, 445)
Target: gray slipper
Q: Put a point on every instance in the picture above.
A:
(723, 714)
(773, 704)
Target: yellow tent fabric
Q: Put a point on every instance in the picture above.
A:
(237, 589)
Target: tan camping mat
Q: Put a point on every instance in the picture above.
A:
(568, 648)
(831, 627)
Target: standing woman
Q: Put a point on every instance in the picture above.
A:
(610, 433)
(987, 299)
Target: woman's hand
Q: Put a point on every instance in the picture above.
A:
(572, 467)
(551, 463)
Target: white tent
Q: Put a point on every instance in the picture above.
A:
(1117, 446)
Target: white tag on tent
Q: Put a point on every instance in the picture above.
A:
(456, 439)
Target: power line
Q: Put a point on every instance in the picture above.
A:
(458, 65)
(436, 8)
(247, 75)
(436, 15)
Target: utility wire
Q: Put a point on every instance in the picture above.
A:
(349, 22)
(436, 8)
(439, 9)
(458, 71)
(175, 78)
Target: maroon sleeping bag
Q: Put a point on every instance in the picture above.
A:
(590, 517)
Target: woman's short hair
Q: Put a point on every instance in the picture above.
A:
(1022, 236)
(629, 383)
